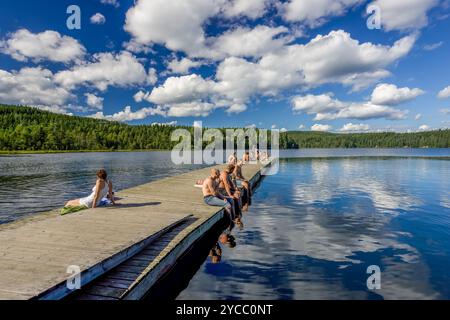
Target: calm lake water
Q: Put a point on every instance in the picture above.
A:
(316, 227)
(30, 184)
(312, 231)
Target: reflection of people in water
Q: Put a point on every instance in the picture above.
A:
(228, 240)
(216, 254)
(239, 223)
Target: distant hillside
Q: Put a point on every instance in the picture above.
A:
(30, 129)
(431, 139)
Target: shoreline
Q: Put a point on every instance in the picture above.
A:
(29, 152)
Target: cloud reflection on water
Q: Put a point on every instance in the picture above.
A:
(316, 227)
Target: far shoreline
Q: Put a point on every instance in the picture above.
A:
(30, 152)
(37, 152)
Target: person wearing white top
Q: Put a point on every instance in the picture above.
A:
(102, 188)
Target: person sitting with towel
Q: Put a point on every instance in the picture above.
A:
(101, 192)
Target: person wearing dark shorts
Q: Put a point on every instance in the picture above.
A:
(229, 189)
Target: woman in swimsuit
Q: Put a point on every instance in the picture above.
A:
(102, 189)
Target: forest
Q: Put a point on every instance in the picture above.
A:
(31, 129)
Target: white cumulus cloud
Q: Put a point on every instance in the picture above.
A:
(350, 127)
(433, 46)
(182, 89)
(248, 8)
(106, 69)
(126, 115)
(114, 3)
(363, 111)
(311, 104)
(23, 45)
(246, 42)
(333, 58)
(177, 24)
(182, 66)
(326, 107)
(98, 18)
(404, 14)
(315, 12)
(390, 94)
(32, 86)
(321, 127)
(169, 124)
(444, 93)
(94, 101)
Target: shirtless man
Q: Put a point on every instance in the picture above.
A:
(229, 189)
(241, 182)
(213, 198)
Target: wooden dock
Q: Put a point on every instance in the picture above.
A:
(121, 251)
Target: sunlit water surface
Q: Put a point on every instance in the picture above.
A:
(30, 184)
(316, 227)
(313, 229)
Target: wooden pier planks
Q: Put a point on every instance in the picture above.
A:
(34, 256)
(133, 278)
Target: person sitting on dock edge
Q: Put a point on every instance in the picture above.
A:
(232, 159)
(213, 198)
(241, 182)
(228, 189)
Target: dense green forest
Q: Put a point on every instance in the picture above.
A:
(24, 128)
(30, 129)
(431, 139)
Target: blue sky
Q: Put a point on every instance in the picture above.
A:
(295, 64)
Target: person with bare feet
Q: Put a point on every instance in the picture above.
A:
(229, 189)
(241, 182)
(212, 197)
(103, 188)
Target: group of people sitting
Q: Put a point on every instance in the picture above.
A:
(228, 189)
(254, 155)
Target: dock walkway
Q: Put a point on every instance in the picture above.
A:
(35, 256)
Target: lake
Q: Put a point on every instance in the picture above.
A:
(30, 184)
(313, 229)
(316, 227)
